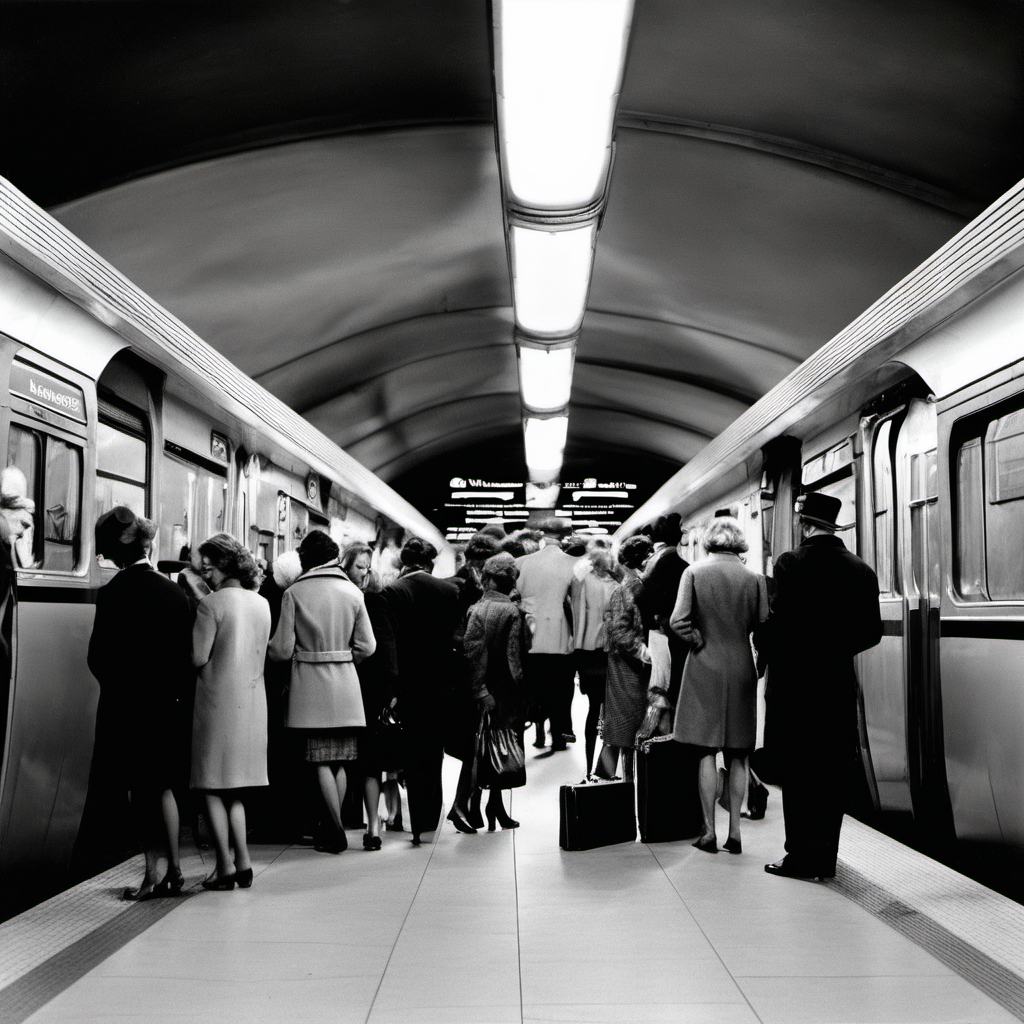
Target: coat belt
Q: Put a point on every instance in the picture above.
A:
(323, 656)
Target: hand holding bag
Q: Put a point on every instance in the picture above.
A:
(389, 738)
(500, 758)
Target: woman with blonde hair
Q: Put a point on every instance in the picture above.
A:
(229, 723)
(719, 603)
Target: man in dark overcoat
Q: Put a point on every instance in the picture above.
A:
(426, 615)
(825, 611)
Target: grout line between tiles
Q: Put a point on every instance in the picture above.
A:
(718, 955)
(519, 938)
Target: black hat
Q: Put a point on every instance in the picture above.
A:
(121, 527)
(819, 509)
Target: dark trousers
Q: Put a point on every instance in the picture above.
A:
(815, 786)
(424, 753)
(552, 681)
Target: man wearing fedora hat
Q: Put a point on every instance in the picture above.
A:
(824, 612)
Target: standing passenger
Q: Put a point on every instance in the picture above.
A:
(140, 653)
(426, 615)
(323, 629)
(720, 602)
(629, 662)
(545, 578)
(229, 723)
(825, 611)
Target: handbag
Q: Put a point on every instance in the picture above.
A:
(500, 758)
(657, 722)
(389, 738)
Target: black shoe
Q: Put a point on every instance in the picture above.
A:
(733, 845)
(223, 884)
(709, 844)
(540, 744)
(461, 825)
(556, 747)
(371, 842)
(569, 737)
(244, 878)
(785, 871)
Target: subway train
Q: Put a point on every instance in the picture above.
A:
(914, 417)
(107, 399)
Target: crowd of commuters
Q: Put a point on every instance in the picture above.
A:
(359, 683)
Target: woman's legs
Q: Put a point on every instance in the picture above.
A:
(217, 814)
(172, 828)
(737, 788)
(333, 786)
(371, 798)
(708, 782)
(236, 822)
(392, 801)
(464, 788)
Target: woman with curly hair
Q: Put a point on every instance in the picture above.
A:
(229, 724)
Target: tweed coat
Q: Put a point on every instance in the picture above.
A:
(323, 630)
(629, 665)
(229, 722)
(719, 603)
(494, 644)
(545, 578)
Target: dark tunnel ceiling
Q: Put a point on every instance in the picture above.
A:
(313, 188)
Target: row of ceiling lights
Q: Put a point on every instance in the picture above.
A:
(558, 71)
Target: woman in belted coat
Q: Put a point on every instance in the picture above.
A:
(719, 603)
(323, 631)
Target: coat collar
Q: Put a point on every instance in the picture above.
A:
(822, 540)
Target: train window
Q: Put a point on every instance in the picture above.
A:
(1004, 444)
(122, 460)
(970, 522)
(1004, 441)
(194, 501)
(53, 472)
(883, 502)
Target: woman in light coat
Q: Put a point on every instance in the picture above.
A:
(719, 603)
(229, 722)
(323, 631)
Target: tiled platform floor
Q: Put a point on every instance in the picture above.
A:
(491, 927)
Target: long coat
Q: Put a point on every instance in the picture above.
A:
(494, 644)
(657, 599)
(140, 652)
(229, 723)
(323, 630)
(824, 612)
(545, 578)
(629, 665)
(720, 602)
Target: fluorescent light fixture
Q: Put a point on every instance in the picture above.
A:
(551, 277)
(545, 375)
(576, 495)
(545, 446)
(477, 495)
(559, 71)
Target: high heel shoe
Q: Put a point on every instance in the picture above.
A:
(709, 844)
(461, 825)
(170, 885)
(244, 878)
(225, 883)
(371, 842)
(733, 845)
(474, 818)
(502, 819)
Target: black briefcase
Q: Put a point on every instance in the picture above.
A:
(667, 794)
(596, 814)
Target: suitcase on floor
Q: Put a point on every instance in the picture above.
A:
(667, 795)
(596, 814)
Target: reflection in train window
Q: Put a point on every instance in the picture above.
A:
(53, 471)
(122, 460)
(990, 509)
(194, 499)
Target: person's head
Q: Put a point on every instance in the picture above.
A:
(224, 558)
(724, 535)
(513, 547)
(495, 530)
(459, 551)
(480, 547)
(417, 554)
(529, 539)
(602, 564)
(317, 548)
(16, 516)
(500, 573)
(818, 513)
(667, 529)
(123, 537)
(356, 561)
(554, 529)
(635, 551)
(575, 545)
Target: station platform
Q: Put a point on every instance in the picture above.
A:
(505, 927)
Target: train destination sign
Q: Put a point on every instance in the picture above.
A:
(42, 389)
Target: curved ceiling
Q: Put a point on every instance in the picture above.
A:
(313, 188)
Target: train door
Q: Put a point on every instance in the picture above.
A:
(919, 531)
(881, 669)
